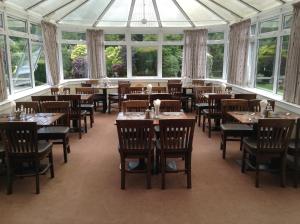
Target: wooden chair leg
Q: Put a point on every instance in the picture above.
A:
(199, 117)
(51, 164)
(203, 123)
(122, 173)
(149, 162)
(243, 161)
(283, 171)
(37, 176)
(65, 150)
(189, 174)
(9, 170)
(157, 162)
(79, 128)
(163, 171)
(257, 172)
(209, 127)
(224, 145)
(296, 170)
(85, 124)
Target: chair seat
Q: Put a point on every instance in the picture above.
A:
(236, 127)
(251, 145)
(99, 97)
(201, 105)
(292, 144)
(52, 132)
(44, 146)
(86, 106)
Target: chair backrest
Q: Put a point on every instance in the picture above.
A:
(43, 98)
(177, 134)
(67, 90)
(135, 136)
(228, 89)
(123, 89)
(198, 82)
(159, 89)
(85, 90)
(86, 85)
(232, 105)
(160, 96)
(175, 81)
(58, 107)
(54, 90)
(74, 105)
(120, 82)
(92, 81)
(136, 96)
(217, 89)
(199, 91)
(272, 104)
(274, 134)
(170, 105)
(246, 96)
(28, 107)
(214, 102)
(254, 105)
(136, 89)
(21, 137)
(135, 105)
(175, 89)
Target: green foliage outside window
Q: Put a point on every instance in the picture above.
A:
(171, 61)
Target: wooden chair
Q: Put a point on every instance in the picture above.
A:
(135, 105)
(136, 89)
(174, 81)
(161, 96)
(99, 99)
(66, 90)
(136, 96)
(59, 132)
(23, 146)
(135, 142)
(123, 89)
(76, 114)
(54, 90)
(88, 105)
(294, 151)
(272, 104)
(92, 82)
(217, 89)
(86, 85)
(201, 102)
(245, 96)
(159, 89)
(175, 141)
(230, 130)
(198, 82)
(175, 89)
(170, 106)
(272, 140)
(43, 98)
(214, 110)
(254, 105)
(28, 107)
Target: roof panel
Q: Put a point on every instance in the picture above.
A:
(141, 12)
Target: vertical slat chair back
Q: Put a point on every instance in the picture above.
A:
(170, 105)
(67, 90)
(58, 107)
(232, 105)
(254, 105)
(54, 90)
(246, 96)
(214, 102)
(28, 107)
(159, 89)
(136, 89)
(74, 105)
(197, 82)
(199, 91)
(135, 106)
(175, 90)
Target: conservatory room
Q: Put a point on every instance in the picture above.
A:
(188, 110)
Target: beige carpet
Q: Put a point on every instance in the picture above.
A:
(87, 189)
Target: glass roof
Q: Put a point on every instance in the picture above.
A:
(145, 13)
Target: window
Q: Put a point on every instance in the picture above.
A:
(215, 56)
(16, 24)
(269, 26)
(114, 37)
(144, 37)
(1, 20)
(116, 64)
(73, 36)
(171, 61)
(283, 57)
(216, 36)
(253, 29)
(144, 61)
(74, 61)
(173, 37)
(21, 71)
(287, 21)
(5, 63)
(35, 29)
(265, 63)
(38, 63)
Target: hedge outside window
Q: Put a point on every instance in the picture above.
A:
(171, 61)
(38, 63)
(74, 61)
(144, 61)
(116, 62)
(215, 57)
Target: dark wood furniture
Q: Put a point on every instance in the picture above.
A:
(294, 151)
(136, 89)
(201, 102)
(87, 105)
(271, 141)
(174, 81)
(67, 90)
(54, 90)
(176, 141)
(245, 96)
(59, 132)
(159, 89)
(135, 96)
(135, 105)
(230, 129)
(135, 142)
(175, 89)
(254, 105)
(198, 82)
(170, 106)
(86, 85)
(21, 146)
(28, 107)
(43, 98)
(123, 89)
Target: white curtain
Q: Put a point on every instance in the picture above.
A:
(292, 71)
(3, 88)
(238, 53)
(96, 54)
(51, 52)
(194, 54)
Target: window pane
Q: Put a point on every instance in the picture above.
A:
(114, 37)
(171, 61)
(287, 21)
(74, 61)
(173, 37)
(35, 29)
(283, 57)
(16, 24)
(1, 20)
(253, 29)
(265, 63)
(21, 72)
(144, 37)
(216, 36)
(215, 55)
(144, 61)
(269, 26)
(4, 55)
(116, 64)
(38, 62)
(73, 36)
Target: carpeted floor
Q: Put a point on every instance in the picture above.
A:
(87, 189)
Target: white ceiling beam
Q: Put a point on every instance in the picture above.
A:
(130, 12)
(103, 12)
(184, 13)
(249, 6)
(212, 11)
(282, 1)
(227, 9)
(72, 10)
(35, 5)
(157, 13)
(60, 7)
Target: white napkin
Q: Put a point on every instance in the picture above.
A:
(149, 88)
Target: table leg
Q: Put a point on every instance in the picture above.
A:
(105, 101)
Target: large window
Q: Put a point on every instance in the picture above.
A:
(74, 61)
(269, 25)
(266, 63)
(16, 24)
(21, 71)
(283, 57)
(144, 61)
(5, 63)
(215, 56)
(171, 61)
(38, 63)
(116, 65)
(144, 37)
